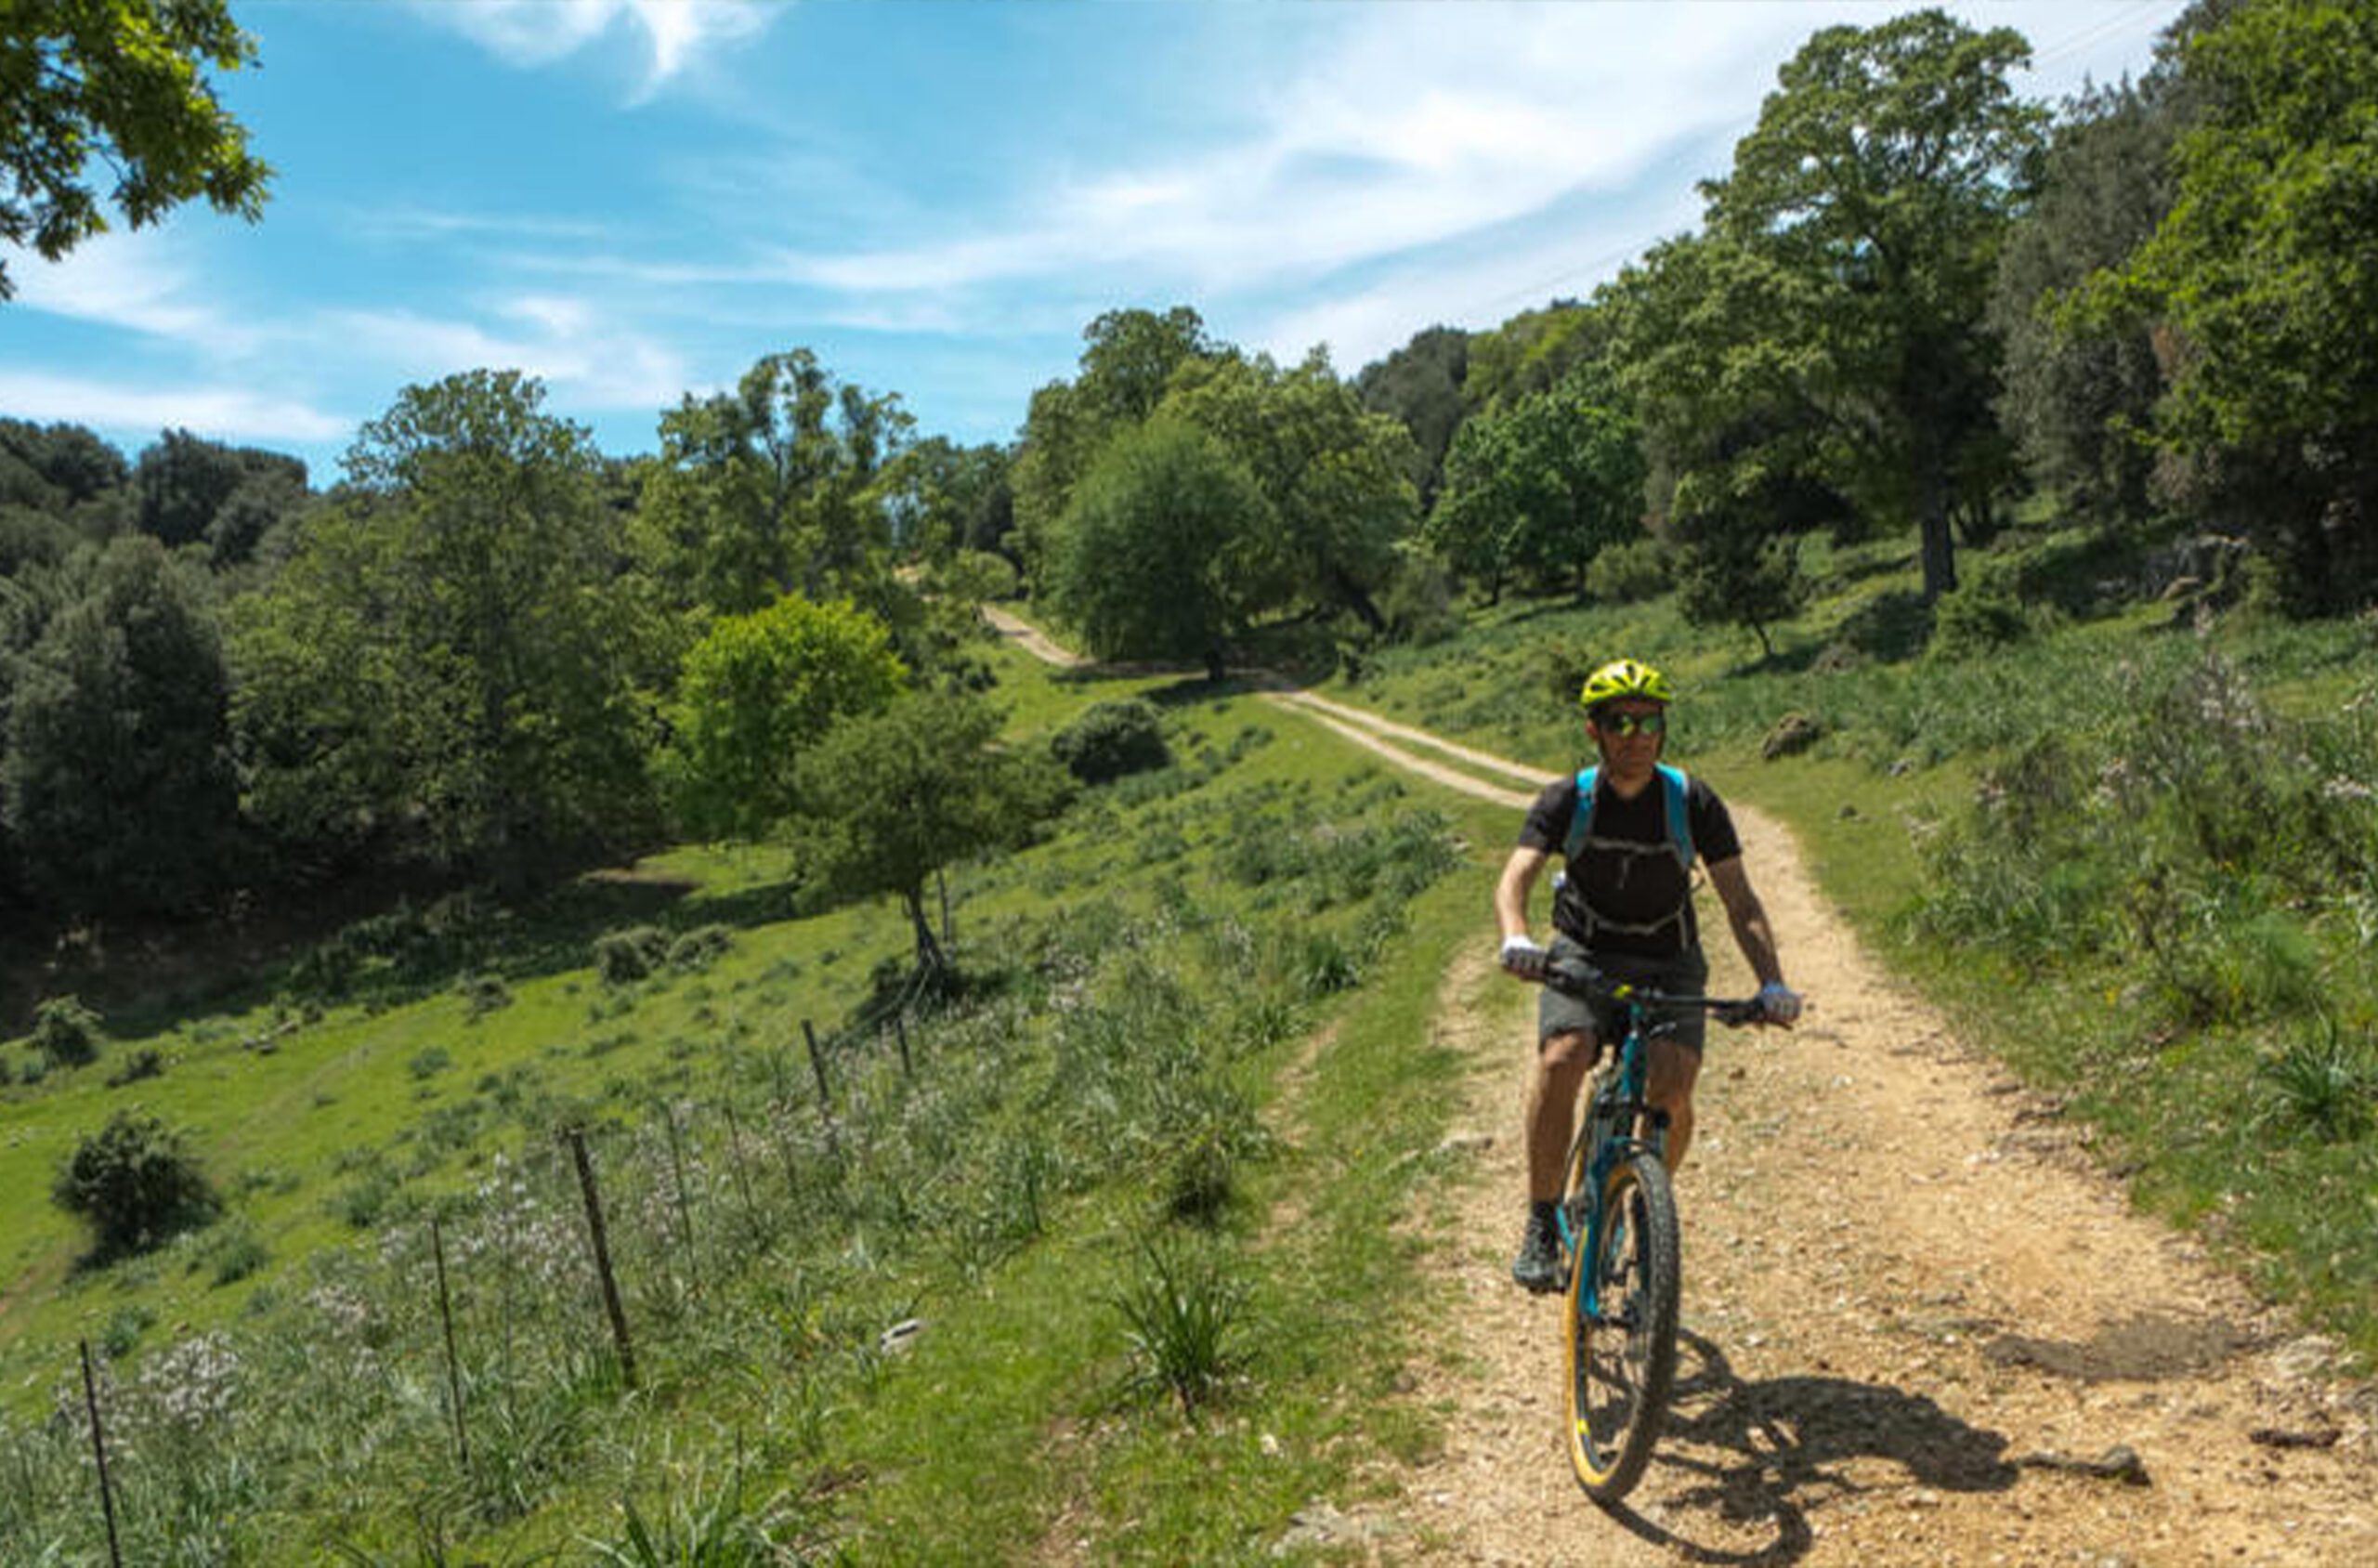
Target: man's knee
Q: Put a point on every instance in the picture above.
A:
(1567, 1053)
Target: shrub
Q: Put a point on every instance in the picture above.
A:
(623, 957)
(137, 1183)
(1982, 613)
(145, 1063)
(483, 994)
(699, 948)
(1626, 574)
(1111, 739)
(66, 1033)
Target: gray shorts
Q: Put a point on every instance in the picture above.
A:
(1558, 1013)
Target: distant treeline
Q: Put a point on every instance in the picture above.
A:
(1916, 302)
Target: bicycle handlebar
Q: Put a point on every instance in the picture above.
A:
(1736, 1012)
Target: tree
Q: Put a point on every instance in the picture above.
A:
(1734, 567)
(1420, 386)
(1165, 549)
(1128, 360)
(56, 468)
(2261, 275)
(451, 653)
(2079, 396)
(137, 1183)
(943, 498)
(893, 797)
(1533, 351)
(774, 487)
(183, 481)
(754, 694)
(1333, 473)
(117, 783)
(1883, 173)
(120, 82)
(1539, 488)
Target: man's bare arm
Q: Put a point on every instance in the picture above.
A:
(1748, 917)
(1511, 891)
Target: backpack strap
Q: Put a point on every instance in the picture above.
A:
(1673, 782)
(1672, 787)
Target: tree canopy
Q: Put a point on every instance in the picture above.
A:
(892, 798)
(1883, 174)
(2264, 271)
(754, 693)
(1165, 548)
(449, 651)
(121, 83)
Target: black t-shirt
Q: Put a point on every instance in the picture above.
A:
(1640, 886)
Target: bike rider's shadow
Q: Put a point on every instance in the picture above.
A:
(1782, 1442)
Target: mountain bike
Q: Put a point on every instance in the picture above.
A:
(1620, 1244)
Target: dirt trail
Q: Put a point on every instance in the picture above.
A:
(1913, 1306)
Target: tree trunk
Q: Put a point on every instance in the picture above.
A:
(1352, 594)
(1939, 541)
(929, 954)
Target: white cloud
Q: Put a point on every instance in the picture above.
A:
(221, 413)
(538, 32)
(1420, 127)
(135, 282)
(577, 347)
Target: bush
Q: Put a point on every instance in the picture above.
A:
(1627, 574)
(1111, 739)
(1981, 614)
(136, 1183)
(66, 1033)
(145, 1063)
(483, 994)
(622, 957)
(698, 948)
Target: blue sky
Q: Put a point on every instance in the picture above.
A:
(636, 199)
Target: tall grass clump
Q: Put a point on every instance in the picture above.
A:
(2206, 866)
(1183, 1313)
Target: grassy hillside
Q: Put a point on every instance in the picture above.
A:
(2132, 846)
(1149, 1300)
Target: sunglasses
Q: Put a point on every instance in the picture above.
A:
(1632, 724)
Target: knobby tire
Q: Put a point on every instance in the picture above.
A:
(1619, 1378)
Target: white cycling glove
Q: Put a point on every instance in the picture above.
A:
(1779, 1002)
(1524, 957)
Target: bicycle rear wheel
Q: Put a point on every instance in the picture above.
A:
(1622, 1350)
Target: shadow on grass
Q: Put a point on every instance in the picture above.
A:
(408, 943)
(1761, 1453)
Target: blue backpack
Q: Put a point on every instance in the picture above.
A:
(1672, 786)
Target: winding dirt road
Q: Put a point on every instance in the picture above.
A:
(1921, 1324)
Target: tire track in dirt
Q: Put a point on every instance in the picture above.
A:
(1911, 1302)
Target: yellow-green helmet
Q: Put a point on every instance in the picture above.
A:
(1624, 677)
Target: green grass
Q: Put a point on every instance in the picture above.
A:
(1149, 985)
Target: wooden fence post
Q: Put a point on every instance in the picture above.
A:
(454, 1362)
(576, 1137)
(99, 1452)
(685, 1213)
(817, 1067)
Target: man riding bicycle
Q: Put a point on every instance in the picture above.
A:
(1628, 832)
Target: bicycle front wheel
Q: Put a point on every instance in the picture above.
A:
(1621, 1318)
